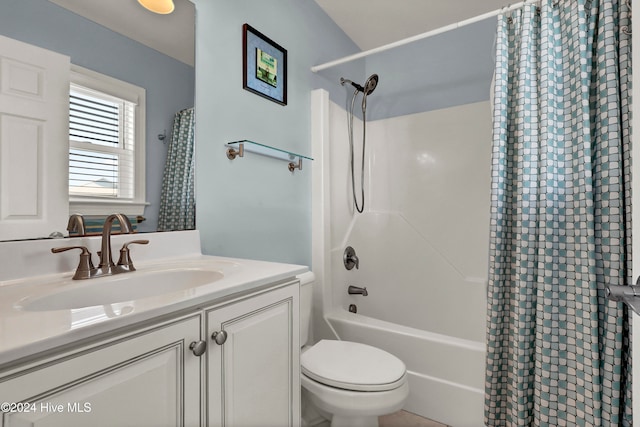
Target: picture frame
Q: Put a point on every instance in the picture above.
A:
(264, 66)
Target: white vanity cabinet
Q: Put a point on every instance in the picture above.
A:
(253, 361)
(172, 372)
(146, 378)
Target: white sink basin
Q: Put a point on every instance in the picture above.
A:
(118, 288)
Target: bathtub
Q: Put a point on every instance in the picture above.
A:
(445, 373)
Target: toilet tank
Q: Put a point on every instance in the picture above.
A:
(306, 294)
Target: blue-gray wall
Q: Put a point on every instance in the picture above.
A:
(254, 207)
(169, 83)
(446, 70)
(450, 69)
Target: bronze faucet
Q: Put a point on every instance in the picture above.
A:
(76, 225)
(106, 267)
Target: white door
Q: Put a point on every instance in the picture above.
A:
(150, 379)
(34, 141)
(254, 376)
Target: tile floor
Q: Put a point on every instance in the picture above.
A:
(398, 419)
(407, 419)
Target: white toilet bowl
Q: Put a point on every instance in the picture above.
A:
(349, 393)
(347, 408)
(349, 383)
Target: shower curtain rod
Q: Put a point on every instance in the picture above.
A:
(417, 37)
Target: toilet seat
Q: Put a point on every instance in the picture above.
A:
(353, 366)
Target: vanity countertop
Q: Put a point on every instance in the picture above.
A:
(24, 333)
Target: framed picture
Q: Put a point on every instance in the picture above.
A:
(264, 66)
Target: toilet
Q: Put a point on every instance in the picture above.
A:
(348, 383)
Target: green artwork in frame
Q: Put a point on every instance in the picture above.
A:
(264, 65)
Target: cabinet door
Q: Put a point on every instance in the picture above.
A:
(149, 379)
(34, 140)
(254, 377)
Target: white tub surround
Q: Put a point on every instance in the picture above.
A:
(422, 243)
(29, 270)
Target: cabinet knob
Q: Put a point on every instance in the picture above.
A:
(198, 347)
(219, 337)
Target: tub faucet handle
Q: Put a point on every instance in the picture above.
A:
(350, 258)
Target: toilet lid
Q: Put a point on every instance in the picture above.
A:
(352, 366)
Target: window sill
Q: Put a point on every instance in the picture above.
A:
(107, 207)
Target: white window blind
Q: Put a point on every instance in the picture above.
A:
(102, 145)
(106, 144)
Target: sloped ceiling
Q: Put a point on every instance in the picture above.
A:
(369, 23)
(373, 23)
(171, 34)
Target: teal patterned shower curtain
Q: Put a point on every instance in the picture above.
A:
(558, 352)
(177, 200)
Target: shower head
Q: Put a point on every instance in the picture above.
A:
(370, 84)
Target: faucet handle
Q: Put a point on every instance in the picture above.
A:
(139, 242)
(85, 267)
(350, 258)
(125, 257)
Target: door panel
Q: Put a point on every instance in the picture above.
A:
(149, 379)
(258, 365)
(34, 141)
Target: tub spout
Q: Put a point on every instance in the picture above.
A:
(355, 290)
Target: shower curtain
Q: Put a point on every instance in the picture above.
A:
(558, 351)
(177, 200)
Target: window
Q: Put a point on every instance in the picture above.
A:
(102, 144)
(106, 144)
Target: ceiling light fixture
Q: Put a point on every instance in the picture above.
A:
(163, 7)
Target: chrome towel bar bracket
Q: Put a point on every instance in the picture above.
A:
(628, 294)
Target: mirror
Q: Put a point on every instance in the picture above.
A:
(120, 39)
